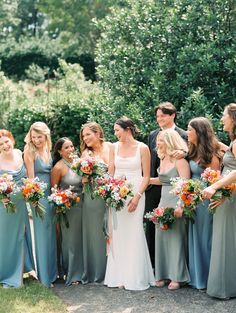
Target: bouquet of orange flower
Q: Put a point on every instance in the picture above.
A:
(89, 167)
(63, 201)
(7, 187)
(189, 192)
(33, 191)
(163, 217)
(210, 176)
(114, 191)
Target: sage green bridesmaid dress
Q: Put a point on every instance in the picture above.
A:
(71, 237)
(94, 242)
(171, 245)
(222, 273)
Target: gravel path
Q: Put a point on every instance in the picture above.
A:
(100, 299)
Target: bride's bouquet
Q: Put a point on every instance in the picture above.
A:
(63, 200)
(189, 192)
(7, 187)
(115, 191)
(163, 217)
(210, 176)
(33, 191)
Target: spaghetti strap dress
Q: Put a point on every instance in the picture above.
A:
(222, 274)
(15, 238)
(171, 245)
(45, 229)
(128, 262)
(71, 237)
(199, 238)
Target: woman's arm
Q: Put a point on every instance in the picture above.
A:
(29, 163)
(183, 168)
(184, 172)
(56, 175)
(227, 180)
(154, 181)
(215, 163)
(145, 162)
(111, 165)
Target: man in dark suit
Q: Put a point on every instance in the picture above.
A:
(165, 116)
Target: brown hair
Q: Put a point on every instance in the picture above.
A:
(96, 129)
(166, 108)
(231, 110)
(7, 133)
(126, 123)
(207, 143)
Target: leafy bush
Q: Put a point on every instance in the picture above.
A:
(152, 51)
(64, 104)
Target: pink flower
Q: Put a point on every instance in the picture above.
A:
(159, 211)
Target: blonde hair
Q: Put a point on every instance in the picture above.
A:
(173, 142)
(96, 129)
(40, 128)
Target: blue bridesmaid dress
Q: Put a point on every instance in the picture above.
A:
(45, 230)
(199, 239)
(15, 238)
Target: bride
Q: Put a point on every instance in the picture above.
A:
(128, 263)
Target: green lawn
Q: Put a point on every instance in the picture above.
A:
(32, 298)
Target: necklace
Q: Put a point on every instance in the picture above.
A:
(69, 164)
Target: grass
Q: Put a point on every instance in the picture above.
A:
(32, 298)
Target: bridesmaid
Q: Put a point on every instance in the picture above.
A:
(38, 163)
(222, 275)
(171, 245)
(94, 242)
(15, 238)
(204, 151)
(71, 237)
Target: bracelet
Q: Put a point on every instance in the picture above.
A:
(139, 193)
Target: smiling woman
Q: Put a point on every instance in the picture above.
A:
(38, 161)
(94, 242)
(15, 239)
(70, 235)
(131, 159)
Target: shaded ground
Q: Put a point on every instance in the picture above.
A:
(99, 299)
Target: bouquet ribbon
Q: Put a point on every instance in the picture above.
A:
(110, 223)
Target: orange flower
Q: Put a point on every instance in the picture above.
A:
(86, 170)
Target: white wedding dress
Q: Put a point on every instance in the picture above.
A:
(128, 262)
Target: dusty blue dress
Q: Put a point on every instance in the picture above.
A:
(222, 274)
(171, 245)
(45, 230)
(15, 238)
(71, 237)
(199, 240)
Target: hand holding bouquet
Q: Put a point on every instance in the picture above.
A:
(210, 176)
(33, 191)
(7, 187)
(63, 201)
(189, 192)
(114, 191)
(163, 217)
